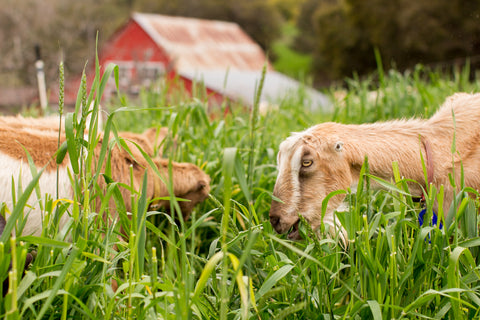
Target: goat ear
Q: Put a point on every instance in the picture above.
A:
(338, 146)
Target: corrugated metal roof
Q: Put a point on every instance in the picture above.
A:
(242, 85)
(197, 44)
(222, 56)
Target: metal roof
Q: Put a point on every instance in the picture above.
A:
(222, 56)
(197, 44)
(242, 85)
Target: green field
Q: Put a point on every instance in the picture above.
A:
(226, 261)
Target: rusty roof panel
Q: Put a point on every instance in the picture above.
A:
(195, 44)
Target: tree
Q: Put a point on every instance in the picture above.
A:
(307, 38)
(342, 34)
(62, 29)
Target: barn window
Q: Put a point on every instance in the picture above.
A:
(124, 74)
(149, 72)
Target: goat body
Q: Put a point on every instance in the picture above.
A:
(328, 157)
(41, 142)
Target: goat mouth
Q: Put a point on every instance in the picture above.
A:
(294, 234)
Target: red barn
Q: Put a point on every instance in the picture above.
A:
(218, 54)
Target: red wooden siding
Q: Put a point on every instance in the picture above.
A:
(132, 43)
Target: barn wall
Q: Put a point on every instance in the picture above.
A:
(120, 47)
(131, 49)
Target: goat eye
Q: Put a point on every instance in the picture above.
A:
(307, 163)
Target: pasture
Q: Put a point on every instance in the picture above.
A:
(226, 261)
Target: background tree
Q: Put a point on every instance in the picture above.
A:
(342, 34)
(63, 30)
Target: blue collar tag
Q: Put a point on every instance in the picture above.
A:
(434, 218)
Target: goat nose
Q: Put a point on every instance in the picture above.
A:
(274, 221)
(201, 185)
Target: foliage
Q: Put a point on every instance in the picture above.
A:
(63, 31)
(226, 262)
(288, 61)
(342, 34)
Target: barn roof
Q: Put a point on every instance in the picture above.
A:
(242, 84)
(209, 51)
(196, 44)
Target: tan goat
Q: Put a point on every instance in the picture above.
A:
(328, 157)
(189, 182)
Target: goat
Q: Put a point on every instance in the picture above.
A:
(328, 157)
(189, 181)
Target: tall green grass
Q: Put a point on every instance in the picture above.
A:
(226, 262)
